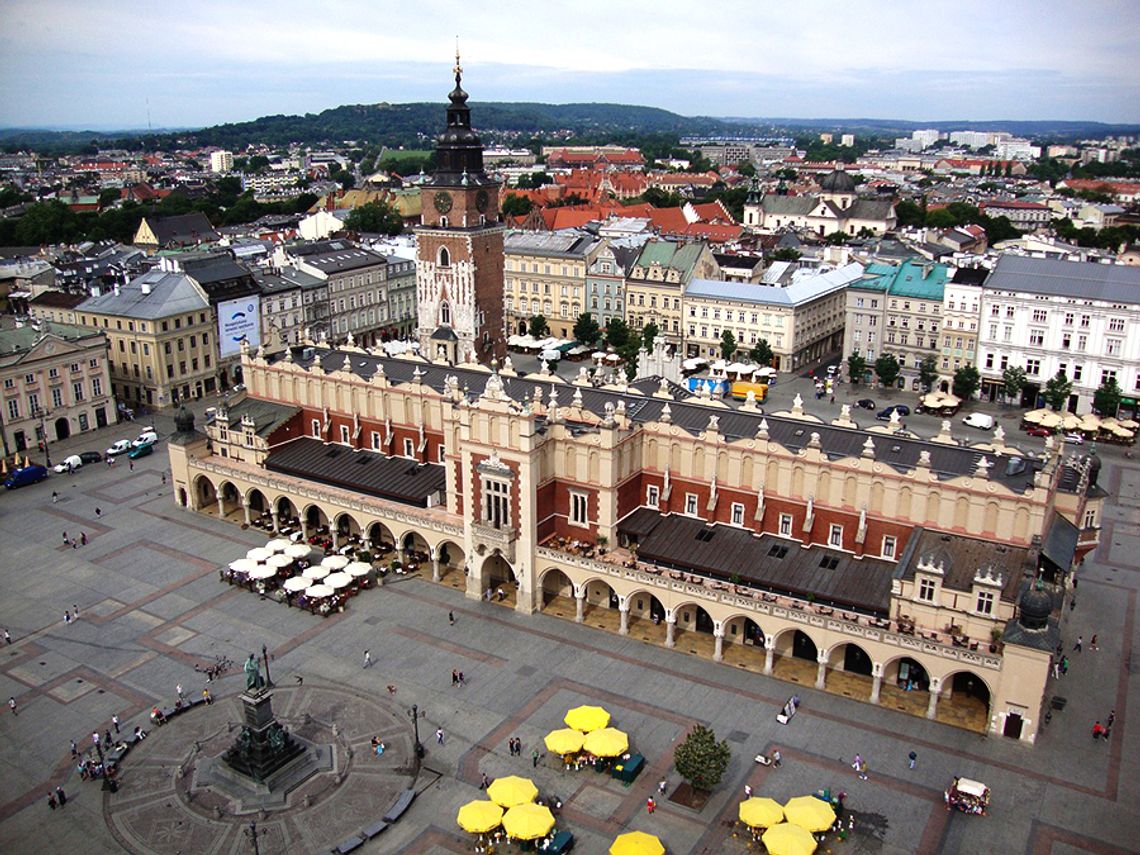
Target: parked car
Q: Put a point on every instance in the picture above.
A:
(90, 456)
(983, 421)
(865, 404)
(22, 477)
(885, 415)
(121, 446)
(69, 464)
(1037, 430)
(1075, 438)
(141, 451)
(147, 437)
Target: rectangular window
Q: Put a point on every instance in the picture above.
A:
(985, 604)
(442, 454)
(57, 397)
(1039, 316)
(1112, 347)
(1037, 337)
(13, 409)
(409, 448)
(835, 535)
(888, 550)
(691, 504)
(53, 373)
(1033, 366)
(1116, 324)
(315, 425)
(496, 503)
(579, 513)
(344, 434)
(1090, 519)
(375, 440)
(737, 513)
(652, 496)
(785, 525)
(926, 588)
(77, 392)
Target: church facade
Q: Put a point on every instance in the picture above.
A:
(837, 208)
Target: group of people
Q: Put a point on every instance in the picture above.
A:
(1104, 731)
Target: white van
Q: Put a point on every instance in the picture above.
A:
(979, 420)
(147, 437)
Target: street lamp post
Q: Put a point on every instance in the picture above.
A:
(255, 834)
(415, 715)
(265, 657)
(39, 413)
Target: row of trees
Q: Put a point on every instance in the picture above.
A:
(912, 213)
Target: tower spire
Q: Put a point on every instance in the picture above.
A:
(458, 68)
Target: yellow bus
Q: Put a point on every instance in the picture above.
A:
(741, 388)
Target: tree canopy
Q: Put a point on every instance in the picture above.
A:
(856, 368)
(728, 345)
(538, 327)
(1013, 381)
(1106, 399)
(928, 372)
(700, 759)
(761, 353)
(375, 216)
(967, 381)
(887, 369)
(586, 329)
(1057, 390)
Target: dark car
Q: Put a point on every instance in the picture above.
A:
(901, 409)
(141, 451)
(1037, 430)
(90, 456)
(865, 404)
(31, 474)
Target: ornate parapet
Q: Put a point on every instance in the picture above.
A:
(486, 538)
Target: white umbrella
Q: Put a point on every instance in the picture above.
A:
(316, 592)
(243, 565)
(688, 364)
(338, 580)
(598, 355)
(297, 583)
(278, 544)
(263, 572)
(298, 550)
(278, 561)
(335, 562)
(358, 568)
(258, 554)
(613, 357)
(317, 571)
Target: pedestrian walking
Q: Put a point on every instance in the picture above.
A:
(83, 538)
(439, 735)
(484, 781)
(7, 637)
(462, 679)
(1056, 669)
(12, 705)
(74, 749)
(66, 616)
(1097, 731)
(131, 465)
(66, 539)
(650, 805)
(534, 758)
(455, 676)
(163, 477)
(51, 800)
(178, 691)
(61, 796)
(1079, 644)
(367, 659)
(75, 611)
(1064, 665)
(54, 497)
(747, 791)
(776, 758)
(1072, 603)
(451, 618)
(98, 512)
(207, 697)
(1110, 720)
(107, 741)
(912, 758)
(662, 786)
(1092, 642)
(115, 722)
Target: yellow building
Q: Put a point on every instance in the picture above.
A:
(656, 284)
(544, 273)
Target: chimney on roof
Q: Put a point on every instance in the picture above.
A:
(144, 286)
(116, 289)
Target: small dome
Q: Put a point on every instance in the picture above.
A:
(837, 181)
(184, 420)
(1094, 467)
(1035, 605)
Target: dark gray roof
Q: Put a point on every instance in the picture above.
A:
(444, 334)
(901, 453)
(1045, 639)
(869, 209)
(182, 229)
(650, 385)
(763, 561)
(267, 416)
(396, 478)
(962, 557)
(795, 205)
(1086, 280)
(1061, 543)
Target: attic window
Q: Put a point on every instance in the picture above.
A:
(705, 535)
(829, 562)
(895, 449)
(362, 460)
(777, 551)
(332, 452)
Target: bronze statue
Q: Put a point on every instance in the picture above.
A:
(253, 678)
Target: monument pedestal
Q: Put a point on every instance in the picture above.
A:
(264, 746)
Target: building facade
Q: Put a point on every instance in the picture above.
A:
(544, 273)
(401, 296)
(655, 285)
(837, 208)
(56, 382)
(960, 306)
(356, 285)
(605, 281)
(675, 522)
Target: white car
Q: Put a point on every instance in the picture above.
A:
(147, 437)
(983, 421)
(121, 446)
(1075, 438)
(70, 463)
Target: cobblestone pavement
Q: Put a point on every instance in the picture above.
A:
(151, 608)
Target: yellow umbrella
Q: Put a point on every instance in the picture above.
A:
(788, 839)
(1050, 420)
(809, 813)
(512, 790)
(587, 718)
(607, 742)
(761, 812)
(565, 741)
(636, 843)
(1033, 416)
(1071, 421)
(479, 816)
(528, 822)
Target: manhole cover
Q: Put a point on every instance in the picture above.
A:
(738, 736)
(526, 670)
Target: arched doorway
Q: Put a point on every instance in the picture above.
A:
(907, 674)
(287, 516)
(694, 630)
(744, 643)
(231, 501)
(62, 428)
(181, 497)
(965, 701)
(452, 564)
(522, 327)
(381, 540)
(499, 584)
(558, 594)
(317, 523)
(205, 496)
(347, 531)
(646, 617)
(600, 608)
(796, 657)
(259, 510)
(414, 549)
(849, 671)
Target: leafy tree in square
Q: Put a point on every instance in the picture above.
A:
(967, 381)
(1057, 390)
(700, 759)
(887, 369)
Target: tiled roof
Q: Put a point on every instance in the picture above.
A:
(1086, 280)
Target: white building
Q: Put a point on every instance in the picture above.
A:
(1048, 316)
(1017, 149)
(221, 161)
(847, 140)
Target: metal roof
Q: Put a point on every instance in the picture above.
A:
(169, 294)
(1085, 280)
(803, 289)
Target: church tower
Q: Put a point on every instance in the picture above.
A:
(459, 248)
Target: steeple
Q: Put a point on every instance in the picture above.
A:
(459, 149)
(754, 193)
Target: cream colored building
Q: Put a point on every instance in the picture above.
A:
(55, 381)
(544, 273)
(961, 303)
(655, 286)
(837, 208)
(674, 522)
(802, 321)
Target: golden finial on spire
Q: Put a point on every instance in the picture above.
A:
(458, 68)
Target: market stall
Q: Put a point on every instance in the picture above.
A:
(968, 796)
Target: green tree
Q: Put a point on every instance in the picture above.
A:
(1013, 381)
(928, 372)
(649, 334)
(538, 327)
(746, 169)
(258, 164)
(586, 329)
(887, 369)
(700, 759)
(376, 216)
(761, 353)
(785, 253)
(1057, 390)
(533, 181)
(1106, 399)
(47, 222)
(836, 239)
(617, 333)
(967, 381)
(516, 206)
(909, 213)
(108, 196)
(856, 368)
(728, 345)
(659, 198)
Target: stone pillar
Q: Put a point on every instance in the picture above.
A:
(623, 609)
(821, 672)
(769, 656)
(435, 565)
(304, 529)
(932, 707)
(718, 651)
(475, 580)
(221, 507)
(579, 603)
(876, 686)
(333, 533)
(670, 629)
(276, 525)
(245, 510)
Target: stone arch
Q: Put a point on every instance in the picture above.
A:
(644, 605)
(497, 572)
(231, 498)
(961, 513)
(450, 555)
(600, 594)
(850, 658)
(743, 629)
(182, 497)
(877, 491)
(692, 617)
(906, 673)
(286, 510)
(990, 520)
(1021, 524)
(257, 502)
(315, 519)
(346, 527)
(797, 481)
(205, 494)
(904, 502)
(414, 547)
(823, 487)
(746, 469)
(556, 585)
(676, 457)
(795, 643)
(380, 538)
(850, 486)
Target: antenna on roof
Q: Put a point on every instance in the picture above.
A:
(148, 127)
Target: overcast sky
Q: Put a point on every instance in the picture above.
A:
(97, 63)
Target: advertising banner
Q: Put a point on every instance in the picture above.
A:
(238, 319)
